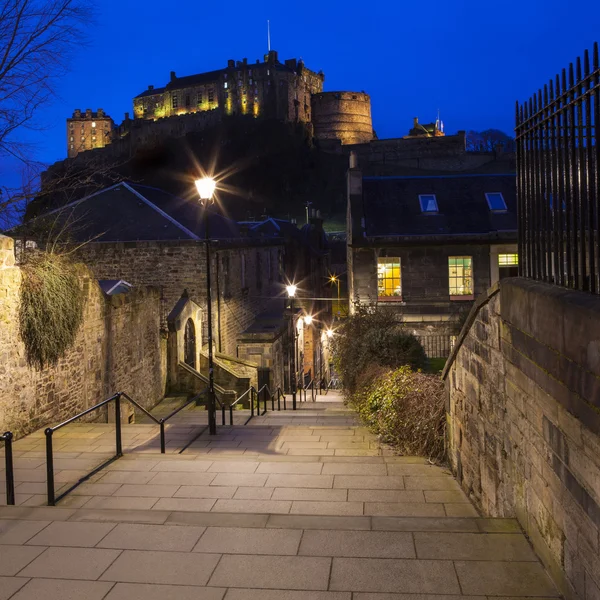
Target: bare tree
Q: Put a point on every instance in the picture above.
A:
(37, 40)
(489, 140)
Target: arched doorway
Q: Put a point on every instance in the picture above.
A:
(189, 341)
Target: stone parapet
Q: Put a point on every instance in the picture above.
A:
(523, 411)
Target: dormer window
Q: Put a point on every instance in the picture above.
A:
(495, 201)
(428, 203)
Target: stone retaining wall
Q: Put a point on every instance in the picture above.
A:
(118, 348)
(524, 421)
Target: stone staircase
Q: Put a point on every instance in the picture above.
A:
(302, 505)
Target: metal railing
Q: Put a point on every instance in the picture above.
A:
(437, 345)
(255, 396)
(558, 186)
(311, 385)
(10, 472)
(116, 398)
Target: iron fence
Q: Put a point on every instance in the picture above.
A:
(558, 158)
(437, 345)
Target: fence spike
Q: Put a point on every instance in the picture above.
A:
(586, 63)
(571, 76)
(551, 86)
(595, 59)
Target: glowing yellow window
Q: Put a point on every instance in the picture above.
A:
(508, 260)
(460, 274)
(389, 280)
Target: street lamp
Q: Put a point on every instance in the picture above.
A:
(291, 292)
(206, 189)
(308, 319)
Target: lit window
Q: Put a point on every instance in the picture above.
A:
(495, 201)
(71, 139)
(93, 123)
(389, 281)
(508, 260)
(71, 125)
(225, 85)
(428, 203)
(175, 101)
(72, 146)
(211, 96)
(460, 273)
(199, 98)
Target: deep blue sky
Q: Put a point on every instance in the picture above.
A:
(470, 58)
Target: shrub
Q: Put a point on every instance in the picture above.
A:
(51, 307)
(405, 408)
(370, 337)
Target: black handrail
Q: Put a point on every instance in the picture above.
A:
(254, 393)
(10, 472)
(311, 385)
(116, 398)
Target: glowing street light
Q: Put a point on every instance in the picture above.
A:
(330, 333)
(308, 319)
(291, 290)
(206, 188)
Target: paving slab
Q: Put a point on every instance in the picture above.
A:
(62, 589)
(68, 533)
(218, 519)
(394, 575)
(168, 538)
(279, 572)
(368, 482)
(504, 578)
(253, 506)
(404, 509)
(14, 558)
(247, 594)
(141, 591)
(175, 568)
(319, 522)
(303, 507)
(19, 532)
(368, 544)
(237, 540)
(9, 585)
(69, 563)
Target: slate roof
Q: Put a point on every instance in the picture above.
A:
(392, 209)
(151, 92)
(132, 212)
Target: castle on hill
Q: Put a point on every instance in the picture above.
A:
(287, 91)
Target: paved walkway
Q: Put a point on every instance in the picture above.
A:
(299, 505)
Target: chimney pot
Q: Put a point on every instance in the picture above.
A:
(173, 76)
(231, 63)
(150, 87)
(415, 121)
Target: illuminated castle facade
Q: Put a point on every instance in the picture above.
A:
(270, 89)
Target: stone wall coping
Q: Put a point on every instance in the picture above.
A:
(480, 302)
(235, 359)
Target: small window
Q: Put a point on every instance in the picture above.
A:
(389, 281)
(71, 125)
(211, 96)
(72, 146)
(495, 201)
(428, 203)
(93, 124)
(460, 275)
(508, 260)
(225, 85)
(71, 139)
(174, 101)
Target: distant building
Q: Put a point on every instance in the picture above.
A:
(88, 130)
(425, 246)
(435, 129)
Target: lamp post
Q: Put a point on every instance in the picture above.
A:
(206, 189)
(336, 279)
(291, 292)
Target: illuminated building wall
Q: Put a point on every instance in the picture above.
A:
(269, 88)
(88, 130)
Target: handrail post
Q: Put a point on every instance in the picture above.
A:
(265, 400)
(231, 415)
(10, 474)
(163, 448)
(251, 401)
(119, 441)
(50, 468)
(223, 415)
(278, 399)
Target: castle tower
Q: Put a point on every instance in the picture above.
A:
(344, 116)
(88, 130)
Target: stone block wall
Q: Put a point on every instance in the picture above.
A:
(118, 348)
(524, 421)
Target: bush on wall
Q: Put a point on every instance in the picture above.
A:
(405, 408)
(370, 337)
(51, 307)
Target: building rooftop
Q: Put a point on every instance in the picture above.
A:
(439, 205)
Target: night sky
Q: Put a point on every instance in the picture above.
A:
(470, 58)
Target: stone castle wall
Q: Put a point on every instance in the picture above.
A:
(524, 421)
(118, 348)
(343, 116)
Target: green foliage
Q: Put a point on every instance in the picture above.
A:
(370, 337)
(51, 307)
(405, 408)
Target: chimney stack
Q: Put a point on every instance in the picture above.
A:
(150, 87)
(173, 76)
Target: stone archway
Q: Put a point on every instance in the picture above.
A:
(189, 344)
